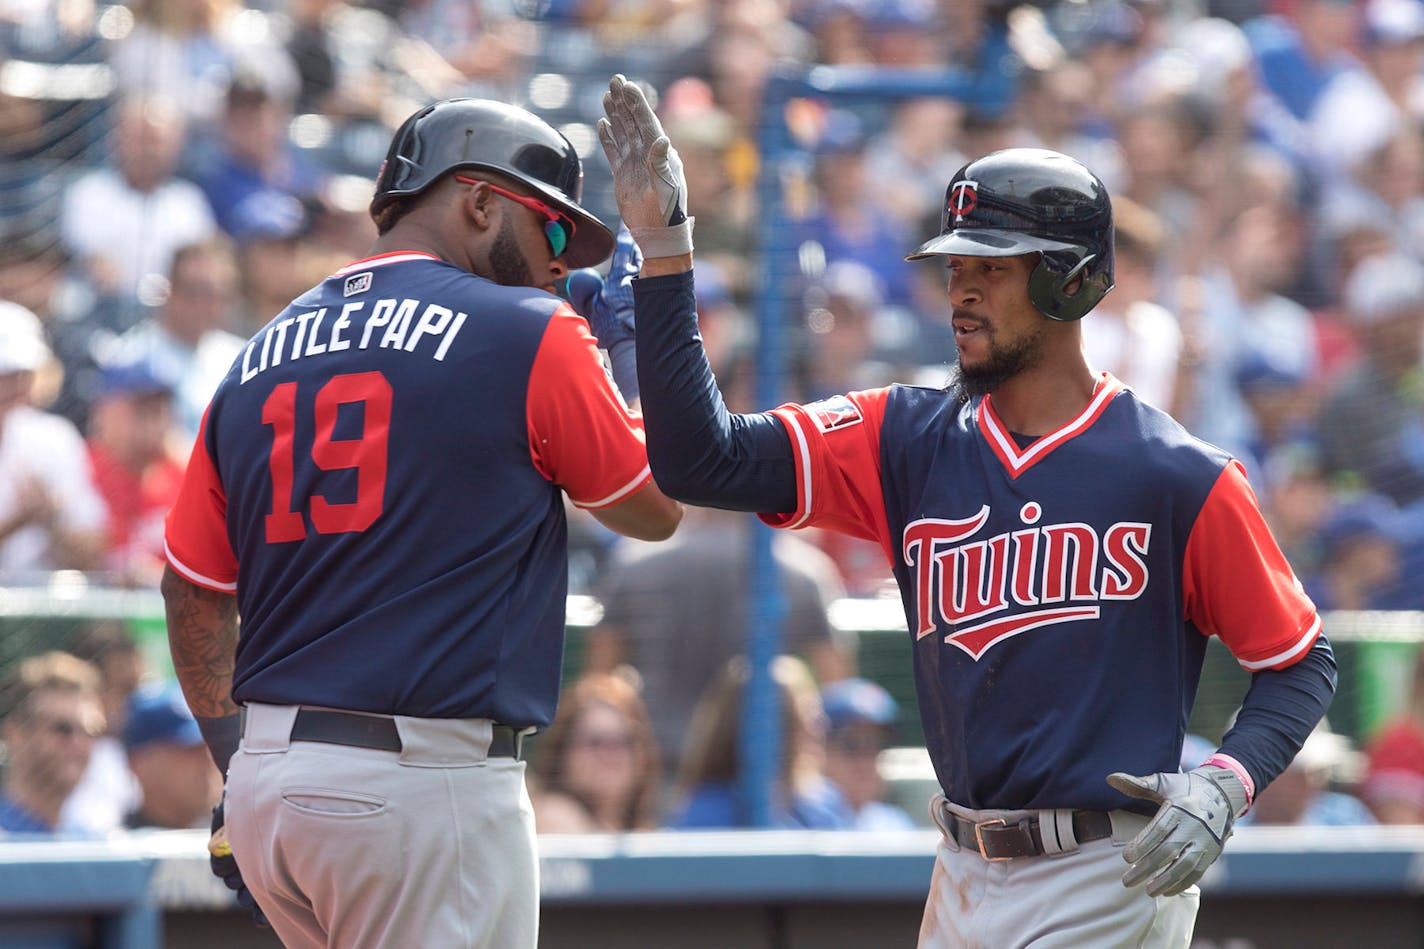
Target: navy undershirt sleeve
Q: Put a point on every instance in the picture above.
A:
(699, 452)
(1279, 712)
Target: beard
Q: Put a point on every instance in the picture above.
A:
(1003, 364)
(506, 261)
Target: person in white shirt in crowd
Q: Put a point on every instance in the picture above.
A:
(186, 337)
(51, 517)
(1132, 336)
(123, 222)
(1376, 100)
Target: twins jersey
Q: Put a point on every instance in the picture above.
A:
(1059, 590)
(378, 479)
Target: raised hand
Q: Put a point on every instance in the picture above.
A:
(648, 180)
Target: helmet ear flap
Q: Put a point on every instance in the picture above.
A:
(1048, 289)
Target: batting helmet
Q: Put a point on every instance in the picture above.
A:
(482, 134)
(1021, 200)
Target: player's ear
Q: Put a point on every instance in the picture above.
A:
(476, 201)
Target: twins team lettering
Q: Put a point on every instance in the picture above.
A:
(1048, 574)
(392, 324)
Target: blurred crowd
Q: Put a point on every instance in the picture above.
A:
(172, 172)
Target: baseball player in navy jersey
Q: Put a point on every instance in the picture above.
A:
(378, 492)
(1064, 551)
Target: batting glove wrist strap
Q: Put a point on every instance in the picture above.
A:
(1195, 815)
(665, 241)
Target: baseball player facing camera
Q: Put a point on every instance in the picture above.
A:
(377, 491)
(1063, 552)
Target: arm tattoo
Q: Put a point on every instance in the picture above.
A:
(202, 635)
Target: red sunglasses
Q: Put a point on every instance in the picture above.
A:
(559, 229)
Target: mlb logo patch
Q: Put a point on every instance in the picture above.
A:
(357, 283)
(833, 413)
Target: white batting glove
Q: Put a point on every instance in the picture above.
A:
(648, 180)
(1192, 824)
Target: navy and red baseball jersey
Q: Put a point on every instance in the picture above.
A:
(402, 434)
(1060, 590)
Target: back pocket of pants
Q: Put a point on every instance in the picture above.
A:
(331, 802)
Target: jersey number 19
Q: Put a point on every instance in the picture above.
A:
(366, 454)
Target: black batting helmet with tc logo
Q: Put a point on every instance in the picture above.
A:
(1025, 200)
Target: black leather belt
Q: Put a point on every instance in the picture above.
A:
(1000, 840)
(379, 732)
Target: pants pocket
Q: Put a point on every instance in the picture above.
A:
(332, 802)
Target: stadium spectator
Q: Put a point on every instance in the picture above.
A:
(122, 223)
(704, 136)
(1360, 554)
(188, 50)
(78, 322)
(1304, 794)
(707, 795)
(185, 339)
(1131, 335)
(1372, 424)
(255, 164)
(851, 336)
(49, 716)
(51, 517)
(108, 792)
(1157, 141)
(597, 768)
(1378, 99)
(273, 258)
(340, 51)
(1394, 775)
(1054, 109)
(1245, 312)
(676, 612)
(486, 45)
(911, 157)
(837, 28)
(1282, 406)
(905, 34)
(1298, 53)
(165, 749)
(843, 225)
(860, 723)
(134, 453)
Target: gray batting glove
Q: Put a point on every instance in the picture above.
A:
(648, 180)
(1192, 824)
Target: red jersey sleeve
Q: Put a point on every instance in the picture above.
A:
(582, 436)
(1238, 585)
(195, 540)
(836, 444)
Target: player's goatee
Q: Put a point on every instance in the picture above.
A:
(1003, 363)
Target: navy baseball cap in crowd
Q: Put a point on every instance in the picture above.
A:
(1365, 515)
(135, 375)
(269, 215)
(158, 714)
(849, 701)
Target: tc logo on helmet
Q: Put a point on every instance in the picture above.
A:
(963, 196)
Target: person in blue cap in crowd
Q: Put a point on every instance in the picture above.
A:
(1360, 554)
(166, 752)
(860, 723)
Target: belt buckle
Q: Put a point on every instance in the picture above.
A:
(979, 836)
